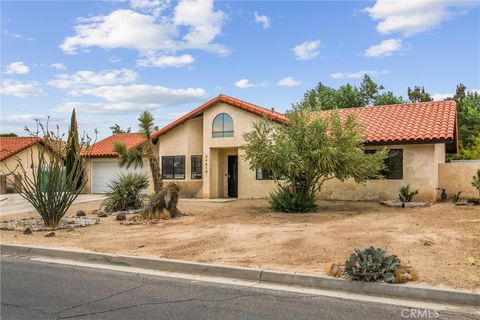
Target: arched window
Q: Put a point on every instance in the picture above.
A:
(222, 126)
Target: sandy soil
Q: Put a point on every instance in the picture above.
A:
(247, 233)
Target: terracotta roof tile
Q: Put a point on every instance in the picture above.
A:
(410, 122)
(273, 115)
(104, 148)
(13, 145)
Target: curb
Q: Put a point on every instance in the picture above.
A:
(422, 293)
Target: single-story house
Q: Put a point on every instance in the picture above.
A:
(201, 150)
(12, 151)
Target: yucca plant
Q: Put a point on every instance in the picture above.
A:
(126, 192)
(166, 196)
(406, 194)
(371, 264)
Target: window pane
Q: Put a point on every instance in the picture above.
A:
(263, 174)
(227, 123)
(196, 167)
(179, 167)
(218, 123)
(167, 167)
(222, 126)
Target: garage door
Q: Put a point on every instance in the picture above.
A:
(104, 171)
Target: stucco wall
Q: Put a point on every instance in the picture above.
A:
(25, 157)
(217, 150)
(184, 140)
(457, 176)
(420, 167)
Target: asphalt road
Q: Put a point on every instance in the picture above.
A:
(40, 290)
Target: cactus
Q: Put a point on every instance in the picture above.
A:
(405, 194)
(371, 264)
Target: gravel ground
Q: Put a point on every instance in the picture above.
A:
(442, 241)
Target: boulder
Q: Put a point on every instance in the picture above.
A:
(121, 216)
(27, 230)
(102, 214)
(81, 213)
(50, 234)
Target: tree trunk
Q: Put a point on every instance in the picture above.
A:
(156, 175)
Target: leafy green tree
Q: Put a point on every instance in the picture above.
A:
(418, 94)
(387, 98)
(476, 181)
(117, 129)
(73, 150)
(308, 151)
(166, 197)
(8, 135)
(323, 97)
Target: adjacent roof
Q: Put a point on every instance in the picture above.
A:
(275, 116)
(408, 123)
(104, 148)
(10, 146)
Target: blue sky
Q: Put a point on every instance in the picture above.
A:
(112, 59)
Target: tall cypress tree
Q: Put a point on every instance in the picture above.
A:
(73, 149)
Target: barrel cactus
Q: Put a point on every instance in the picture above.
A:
(372, 264)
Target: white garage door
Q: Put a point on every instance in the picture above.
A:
(104, 171)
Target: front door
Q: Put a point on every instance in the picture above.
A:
(232, 176)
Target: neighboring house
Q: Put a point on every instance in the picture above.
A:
(201, 150)
(102, 161)
(12, 151)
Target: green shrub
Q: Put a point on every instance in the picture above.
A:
(406, 194)
(284, 201)
(125, 192)
(476, 182)
(371, 264)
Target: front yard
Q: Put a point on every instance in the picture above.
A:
(437, 240)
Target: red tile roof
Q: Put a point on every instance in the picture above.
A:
(10, 146)
(104, 148)
(275, 116)
(412, 122)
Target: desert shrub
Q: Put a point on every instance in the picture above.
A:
(284, 201)
(476, 182)
(125, 192)
(406, 194)
(372, 264)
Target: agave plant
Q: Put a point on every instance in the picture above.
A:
(125, 192)
(372, 264)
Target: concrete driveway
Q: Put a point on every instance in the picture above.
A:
(13, 203)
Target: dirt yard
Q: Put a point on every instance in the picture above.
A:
(437, 240)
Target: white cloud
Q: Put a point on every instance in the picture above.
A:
(155, 7)
(385, 48)
(194, 25)
(409, 17)
(17, 67)
(307, 50)
(58, 66)
(21, 118)
(21, 89)
(441, 96)
(245, 83)
(133, 97)
(289, 82)
(166, 61)
(85, 78)
(263, 20)
(358, 74)
(8, 33)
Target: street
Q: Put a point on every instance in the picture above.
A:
(40, 290)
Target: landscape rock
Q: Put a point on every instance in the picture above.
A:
(50, 234)
(81, 213)
(400, 204)
(36, 224)
(121, 216)
(102, 214)
(27, 231)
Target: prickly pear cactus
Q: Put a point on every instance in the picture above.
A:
(372, 264)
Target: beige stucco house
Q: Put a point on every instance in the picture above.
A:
(15, 153)
(201, 151)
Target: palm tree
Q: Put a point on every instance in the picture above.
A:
(166, 197)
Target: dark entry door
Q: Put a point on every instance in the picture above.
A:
(232, 176)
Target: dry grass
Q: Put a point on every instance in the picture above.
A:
(437, 240)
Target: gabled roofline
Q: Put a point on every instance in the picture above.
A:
(246, 106)
(34, 140)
